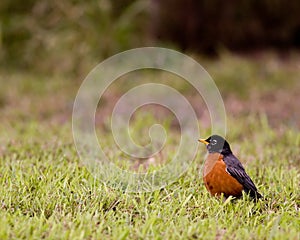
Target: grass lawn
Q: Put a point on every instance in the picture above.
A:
(47, 192)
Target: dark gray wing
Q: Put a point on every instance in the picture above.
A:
(236, 170)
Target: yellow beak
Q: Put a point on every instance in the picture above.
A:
(203, 141)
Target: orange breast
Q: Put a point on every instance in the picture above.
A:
(217, 180)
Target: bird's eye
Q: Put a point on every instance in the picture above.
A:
(213, 142)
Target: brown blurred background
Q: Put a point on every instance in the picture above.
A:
(67, 36)
(249, 47)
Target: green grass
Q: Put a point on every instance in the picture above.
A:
(47, 192)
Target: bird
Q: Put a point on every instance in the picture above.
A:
(223, 173)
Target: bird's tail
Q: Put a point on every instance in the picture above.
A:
(256, 195)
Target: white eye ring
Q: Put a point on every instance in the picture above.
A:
(213, 142)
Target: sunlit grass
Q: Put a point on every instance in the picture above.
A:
(47, 192)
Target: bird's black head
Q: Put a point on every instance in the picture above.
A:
(216, 143)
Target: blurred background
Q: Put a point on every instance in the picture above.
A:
(250, 47)
(65, 36)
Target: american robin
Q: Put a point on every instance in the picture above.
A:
(223, 173)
